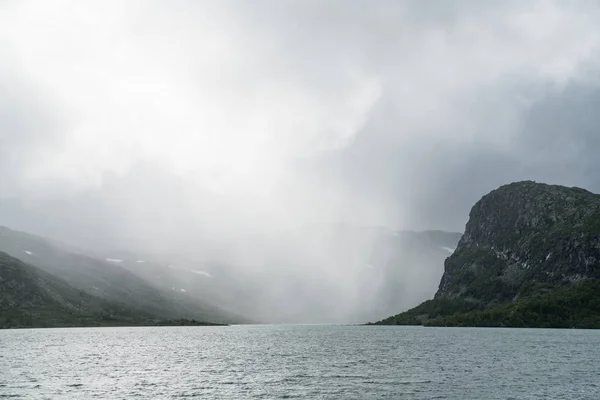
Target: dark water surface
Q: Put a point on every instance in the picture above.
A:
(301, 361)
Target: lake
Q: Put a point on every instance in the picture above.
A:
(299, 361)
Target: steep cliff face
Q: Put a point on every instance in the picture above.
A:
(523, 234)
(529, 257)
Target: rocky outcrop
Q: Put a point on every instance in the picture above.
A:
(524, 233)
(529, 257)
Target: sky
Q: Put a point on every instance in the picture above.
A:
(148, 123)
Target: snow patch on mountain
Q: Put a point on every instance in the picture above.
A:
(203, 273)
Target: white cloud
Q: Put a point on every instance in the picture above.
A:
(227, 95)
(136, 81)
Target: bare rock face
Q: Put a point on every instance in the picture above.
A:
(521, 238)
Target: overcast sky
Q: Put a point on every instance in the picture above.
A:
(244, 116)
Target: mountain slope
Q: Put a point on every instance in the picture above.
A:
(320, 273)
(106, 280)
(29, 297)
(526, 246)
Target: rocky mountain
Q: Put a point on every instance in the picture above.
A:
(530, 256)
(106, 279)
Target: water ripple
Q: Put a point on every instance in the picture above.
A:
(287, 362)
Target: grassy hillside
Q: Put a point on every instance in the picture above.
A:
(108, 281)
(575, 305)
(30, 297)
(572, 306)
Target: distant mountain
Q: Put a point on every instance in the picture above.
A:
(30, 297)
(530, 256)
(318, 273)
(108, 280)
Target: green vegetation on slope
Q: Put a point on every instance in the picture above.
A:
(575, 305)
(30, 297)
(108, 281)
(430, 309)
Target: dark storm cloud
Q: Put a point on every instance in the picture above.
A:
(557, 141)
